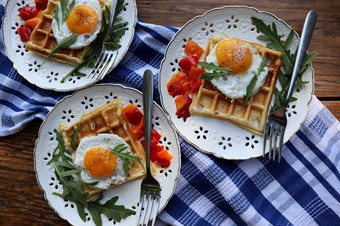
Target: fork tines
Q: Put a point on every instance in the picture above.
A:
(103, 64)
(148, 207)
(275, 132)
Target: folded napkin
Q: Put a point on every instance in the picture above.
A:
(302, 190)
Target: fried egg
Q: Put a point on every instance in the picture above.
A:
(97, 164)
(243, 60)
(84, 19)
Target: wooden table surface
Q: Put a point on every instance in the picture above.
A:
(22, 201)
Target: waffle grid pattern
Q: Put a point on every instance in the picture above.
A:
(209, 101)
(42, 39)
(108, 118)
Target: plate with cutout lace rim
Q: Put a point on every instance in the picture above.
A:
(49, 76)
(68, 111)
(215, 136)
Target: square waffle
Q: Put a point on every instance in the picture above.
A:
(42, 39)
(108, 118)
(210, 102)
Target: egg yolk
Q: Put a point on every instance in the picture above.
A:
(82, 19)
(99, 162)
(233, 54)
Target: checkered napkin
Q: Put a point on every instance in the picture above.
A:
(302, 190)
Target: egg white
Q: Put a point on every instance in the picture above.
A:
(109, 141)
(234, 86)
(82, 39)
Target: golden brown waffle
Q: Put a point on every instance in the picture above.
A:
(209, 101)
(42, 39)
(108, 118)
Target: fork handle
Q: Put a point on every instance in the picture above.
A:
(306, 35)
(147, 103)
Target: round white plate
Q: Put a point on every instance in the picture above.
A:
(215, 136)
(68, 111)
(49, 76)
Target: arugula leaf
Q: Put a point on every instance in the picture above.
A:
(74, 135)
(56, 12)
(253, 81)
(125, 156)
(65, 42)
(69, 188)
(216, 71)
(66, 172)
(109, 209)
(288, 60)
(66, 8)
(212, 66)
(213, 75)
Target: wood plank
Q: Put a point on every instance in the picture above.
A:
(333, 106)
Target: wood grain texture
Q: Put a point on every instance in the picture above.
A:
(22, 201)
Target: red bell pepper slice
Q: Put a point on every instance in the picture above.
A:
(41, 4)
(187, 62)
(175, 89)
(25, 33)
(160, 156)
(133, 114)
(195, 83)
(28, 12)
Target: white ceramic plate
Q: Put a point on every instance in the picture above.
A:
(215, 136)
(49, 76)
(68, 111)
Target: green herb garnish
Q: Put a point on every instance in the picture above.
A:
(216, 71)
(125, 156)
(288, 60)
(66, 173)
(253, 81)
(56, 12)
(66, 8)
(109, 209)
(74, 135)
(65, 43)
(110, 36)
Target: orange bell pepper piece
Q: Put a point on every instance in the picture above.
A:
(180, 102)
(193, 49)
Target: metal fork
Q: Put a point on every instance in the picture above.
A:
(107, 56)
(277, 121)
(150, 188)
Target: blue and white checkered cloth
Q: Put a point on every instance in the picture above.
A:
(304, 189)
